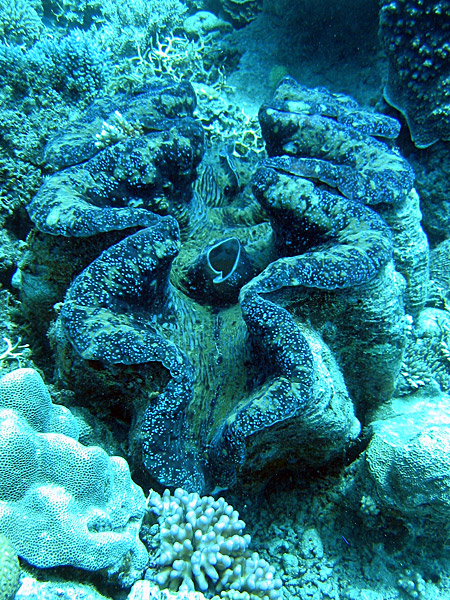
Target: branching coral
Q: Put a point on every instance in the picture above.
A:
(203, 547)
(14, 352)
(74, 67)
(20, 21)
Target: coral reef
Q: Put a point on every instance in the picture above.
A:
(234, 300)
(240, 12)
(202, 547)
(9, 570)
(414, 35)
(73, 67)
(41, 84)
(61, 502)
(131, 28)
(146, 590)
(20, 21)
(16, 353)
(31, 588)
(204, 24)
(407, 456)
(426, 361)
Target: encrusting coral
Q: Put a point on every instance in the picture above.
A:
(407, 457)
(9, 570)
(62, 503)
(415, 38)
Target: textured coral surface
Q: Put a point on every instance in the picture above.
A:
(62, 503)
(212, 248)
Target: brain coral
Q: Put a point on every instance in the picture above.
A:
(407, 457)
(62, 503)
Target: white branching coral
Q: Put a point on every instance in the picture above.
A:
(116, 129)
(17, 351)
(202, 547)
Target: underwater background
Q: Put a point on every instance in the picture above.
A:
(225, 292)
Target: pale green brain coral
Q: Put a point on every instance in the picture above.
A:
(83, 499)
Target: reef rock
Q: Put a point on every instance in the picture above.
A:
(408, 456)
